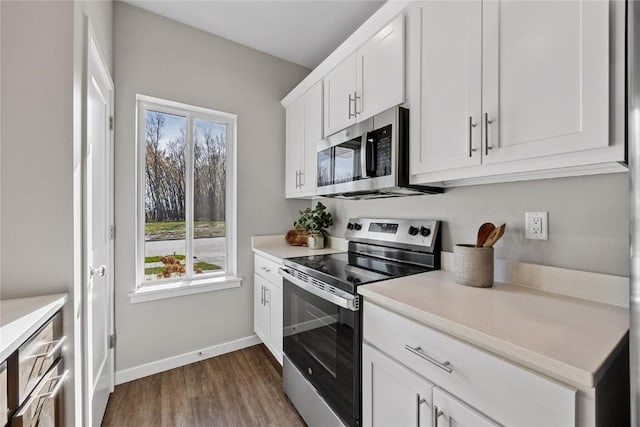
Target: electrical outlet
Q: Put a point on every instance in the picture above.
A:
(537, 225)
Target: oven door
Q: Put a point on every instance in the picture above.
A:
(322, 340)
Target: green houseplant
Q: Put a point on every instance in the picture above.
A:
(315, 221)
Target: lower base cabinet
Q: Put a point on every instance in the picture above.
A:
(395, 396)
(267, 305)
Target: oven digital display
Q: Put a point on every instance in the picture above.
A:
(383, 227)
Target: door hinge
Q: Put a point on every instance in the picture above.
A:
(112, 341)
(110, 122)
(112, 232)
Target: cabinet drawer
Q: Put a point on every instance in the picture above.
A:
(4, 406)
(44, 406)
(268, 269)
(35, 357)
(504, 391)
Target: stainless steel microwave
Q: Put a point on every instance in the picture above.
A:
(369, 160)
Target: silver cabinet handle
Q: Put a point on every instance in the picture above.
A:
(471, 126)
(487, 122)
(100, 271)
(265, 269)
(355, 104)
(261, 295)
(436, 413)
(297, 179)
(419, 401)
(445, 366)
(50, 353)
(301, 180)
(350, 100)
(267, 293)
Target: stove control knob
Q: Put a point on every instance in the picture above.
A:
(424, 231)
(357, 226)
(413, 230)
(350, 226)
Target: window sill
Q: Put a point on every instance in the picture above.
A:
(177, 289)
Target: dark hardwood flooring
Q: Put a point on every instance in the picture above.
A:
(242, 388)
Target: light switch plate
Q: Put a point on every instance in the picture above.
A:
(537, 225)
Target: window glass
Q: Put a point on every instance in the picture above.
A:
(165, 197)
(209, 195)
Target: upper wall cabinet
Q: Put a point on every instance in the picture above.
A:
(367, 82)
(504, 87)
(303, 133)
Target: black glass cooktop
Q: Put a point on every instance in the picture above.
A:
(351, 270)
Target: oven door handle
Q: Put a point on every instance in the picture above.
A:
(348, 301)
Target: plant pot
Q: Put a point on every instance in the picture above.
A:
(315, 241)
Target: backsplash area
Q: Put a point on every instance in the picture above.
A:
(588, 218)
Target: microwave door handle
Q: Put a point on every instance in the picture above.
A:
(363, 156)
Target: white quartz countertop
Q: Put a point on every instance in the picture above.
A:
(566, 338)
(21, 317)
(276, 248)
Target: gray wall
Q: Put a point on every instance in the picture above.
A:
(41, 78)
(588, 219)
(165, 59)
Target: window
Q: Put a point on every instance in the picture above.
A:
(186, 200)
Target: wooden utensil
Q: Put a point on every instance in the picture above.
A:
(483, 233)
(494, 236)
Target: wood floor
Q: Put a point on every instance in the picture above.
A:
(243, 388)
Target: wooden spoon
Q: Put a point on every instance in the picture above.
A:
(494, 236)
(483, 233)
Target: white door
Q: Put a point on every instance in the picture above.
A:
(445, 119)
(450, 412)
(260, 319)
(294, 147)
(339, 96)
(98, 244)
(381, 71)
(391, 394)
(312, 136)
(546, 77)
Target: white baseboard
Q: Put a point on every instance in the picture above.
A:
(172, 362)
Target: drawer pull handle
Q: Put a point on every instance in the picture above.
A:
(60, 382)
(49, 395)
(265, 269)
(445, 366)
(50, 353)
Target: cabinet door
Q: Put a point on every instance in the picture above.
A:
(446, 85)
(391, 394)
(294, 147)
(339, 96)
(450, 412)
(274, 303)
(312, 136)
(546, 77)
(381, 65)
(260, 318)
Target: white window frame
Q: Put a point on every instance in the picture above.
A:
(177, 286)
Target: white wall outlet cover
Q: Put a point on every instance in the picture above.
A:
(537, 225)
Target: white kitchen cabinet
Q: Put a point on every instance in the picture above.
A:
(391, 394)
(303, 133)
(510, 88)
(495, 388)
(367, 82)
(267, 305)
(339, 96)
(450, 412)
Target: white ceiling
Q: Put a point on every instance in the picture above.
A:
(301, 31)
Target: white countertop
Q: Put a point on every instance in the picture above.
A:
(21, 317)
(566, 338)
(276, 248)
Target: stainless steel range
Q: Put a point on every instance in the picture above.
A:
(322, 318)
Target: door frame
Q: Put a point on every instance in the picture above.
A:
(92, 52)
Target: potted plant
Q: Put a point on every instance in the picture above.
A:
(315, 221)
